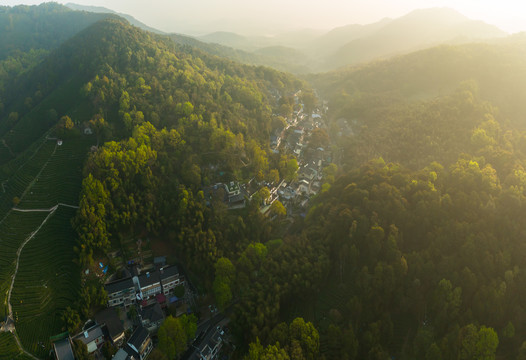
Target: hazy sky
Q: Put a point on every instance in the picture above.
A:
(270, 16)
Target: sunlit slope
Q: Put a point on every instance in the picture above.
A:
(498, 72)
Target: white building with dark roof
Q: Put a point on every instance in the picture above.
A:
(149, 284)
(139, 346)
(121, 292)
(210, 349)
(141, 342)
(170, 278)
(92, 337)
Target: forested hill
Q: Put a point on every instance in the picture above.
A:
(45, 26)
(89, 74)
(498, 69)
(424, 227)
(161, 122)
(280, 58)
(424, 106)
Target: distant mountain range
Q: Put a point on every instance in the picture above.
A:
(308, 51)
(353, 44)
(416, 30)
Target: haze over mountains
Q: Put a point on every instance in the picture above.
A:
(353, 44)
(309, 50)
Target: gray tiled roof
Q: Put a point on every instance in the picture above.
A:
(138, 337)
(63, 350)
(153, 313)
(92, 333)
(119, 285)
(150, 278)
(168, 271)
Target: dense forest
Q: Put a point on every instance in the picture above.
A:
(413, 249)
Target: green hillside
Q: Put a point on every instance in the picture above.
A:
(180, 119)
(423, 226)
(411, 248)
(45, 26)
(496, 72)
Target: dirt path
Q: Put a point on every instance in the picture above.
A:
(45, 210)
(10, 318)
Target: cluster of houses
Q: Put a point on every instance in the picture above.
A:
(311, 161)
(150, 292)
(309, 180)
(107, 327)
(157, 284)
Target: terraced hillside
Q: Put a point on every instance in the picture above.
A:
(38, 198)
(10, 350)
(18, 174)
(59, 181)
(40, 296)
(14, 229)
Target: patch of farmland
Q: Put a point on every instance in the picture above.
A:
(14, 229)
(9, 349)
(60, 179)
(47, 282)
(22, 174)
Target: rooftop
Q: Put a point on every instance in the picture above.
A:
(159, 260)
(153, 313)
(119, 285)
(110, 318)
(63, 350)
(168, 271)
(90, 335)
(138, 337)
(149, 278)
(233, 186)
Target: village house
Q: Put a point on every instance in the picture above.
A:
(303, 187)
(170, 278)
(141, 342)
(92, 337)
(210, 349)
(152, 317)
(307, 173)
(111, 325)
(230, 194)
(287, 193)
(121, 292)
(139, 346)
(149, 284)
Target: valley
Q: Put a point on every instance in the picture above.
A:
(355, 193)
